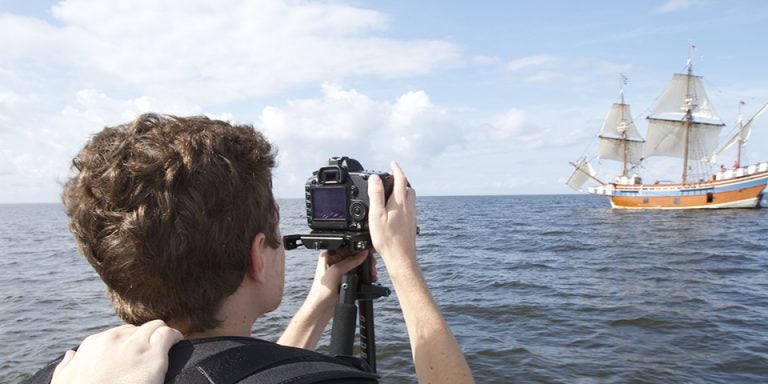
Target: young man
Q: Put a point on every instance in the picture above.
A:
(178, 218)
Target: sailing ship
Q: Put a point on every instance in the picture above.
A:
(682, 124)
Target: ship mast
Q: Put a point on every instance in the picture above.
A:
(622, 127)
(683, 122)
(741, 139)
(741, 136)
(619, 138)
(688, 106)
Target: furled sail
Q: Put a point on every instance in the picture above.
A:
(580, 175)
(619, 138)
(667, 121)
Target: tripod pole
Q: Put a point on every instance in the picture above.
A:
(356, 291)
(367, 334)
(343, 329)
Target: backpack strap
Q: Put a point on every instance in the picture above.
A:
(246, 360)
(229, 360)
(45, 375)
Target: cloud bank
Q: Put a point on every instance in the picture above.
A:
(101, 63)
(284, 66)
(347, 122)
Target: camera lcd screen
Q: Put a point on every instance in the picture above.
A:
(329, 203)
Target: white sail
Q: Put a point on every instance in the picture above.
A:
(619, 134)
(742, 135)
(667, 121)
(685, 92)
(580, 175)
(667, 138)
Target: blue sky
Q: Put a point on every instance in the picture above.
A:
(472, 98)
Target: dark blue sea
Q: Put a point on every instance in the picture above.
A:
(537, 289)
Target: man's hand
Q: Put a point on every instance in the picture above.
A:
(125, 354)
(310, 320)
(393, 224)
(436, 355)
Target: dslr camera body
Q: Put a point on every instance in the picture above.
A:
(337, 207)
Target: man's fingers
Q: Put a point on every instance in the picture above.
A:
(401, 182)
(375, 195)
(374, 272)
(145, 331)
(157, 333)
(351, 262)
(165, 337)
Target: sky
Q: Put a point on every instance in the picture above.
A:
(470, 97)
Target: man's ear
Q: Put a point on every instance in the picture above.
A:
(256, 267)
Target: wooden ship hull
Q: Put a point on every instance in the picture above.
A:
(741, 188)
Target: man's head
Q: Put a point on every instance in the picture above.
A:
(166, 208)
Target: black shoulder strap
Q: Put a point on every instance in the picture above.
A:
(242, 360)
(246, 361)
(45, 375)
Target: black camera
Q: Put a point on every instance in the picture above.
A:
(337, 206)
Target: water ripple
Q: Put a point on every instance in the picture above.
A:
(537, 289)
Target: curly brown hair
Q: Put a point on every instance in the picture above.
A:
(165, 209)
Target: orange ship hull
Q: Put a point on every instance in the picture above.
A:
(739, 192)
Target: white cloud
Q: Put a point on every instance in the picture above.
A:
(9, 99)
(347, 122)
(536, 69)
(426, 138)
(37, 147)
(677, 5)
(507, 125)
(530, 61)
(509, 132)
(564, 71)
(102, 63)
(217, 51)
(341, 121)
(423, 130)
(543, 76)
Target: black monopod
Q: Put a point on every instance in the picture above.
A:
(356, 295)
(356, 291)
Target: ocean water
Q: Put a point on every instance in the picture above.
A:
(537, 289)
